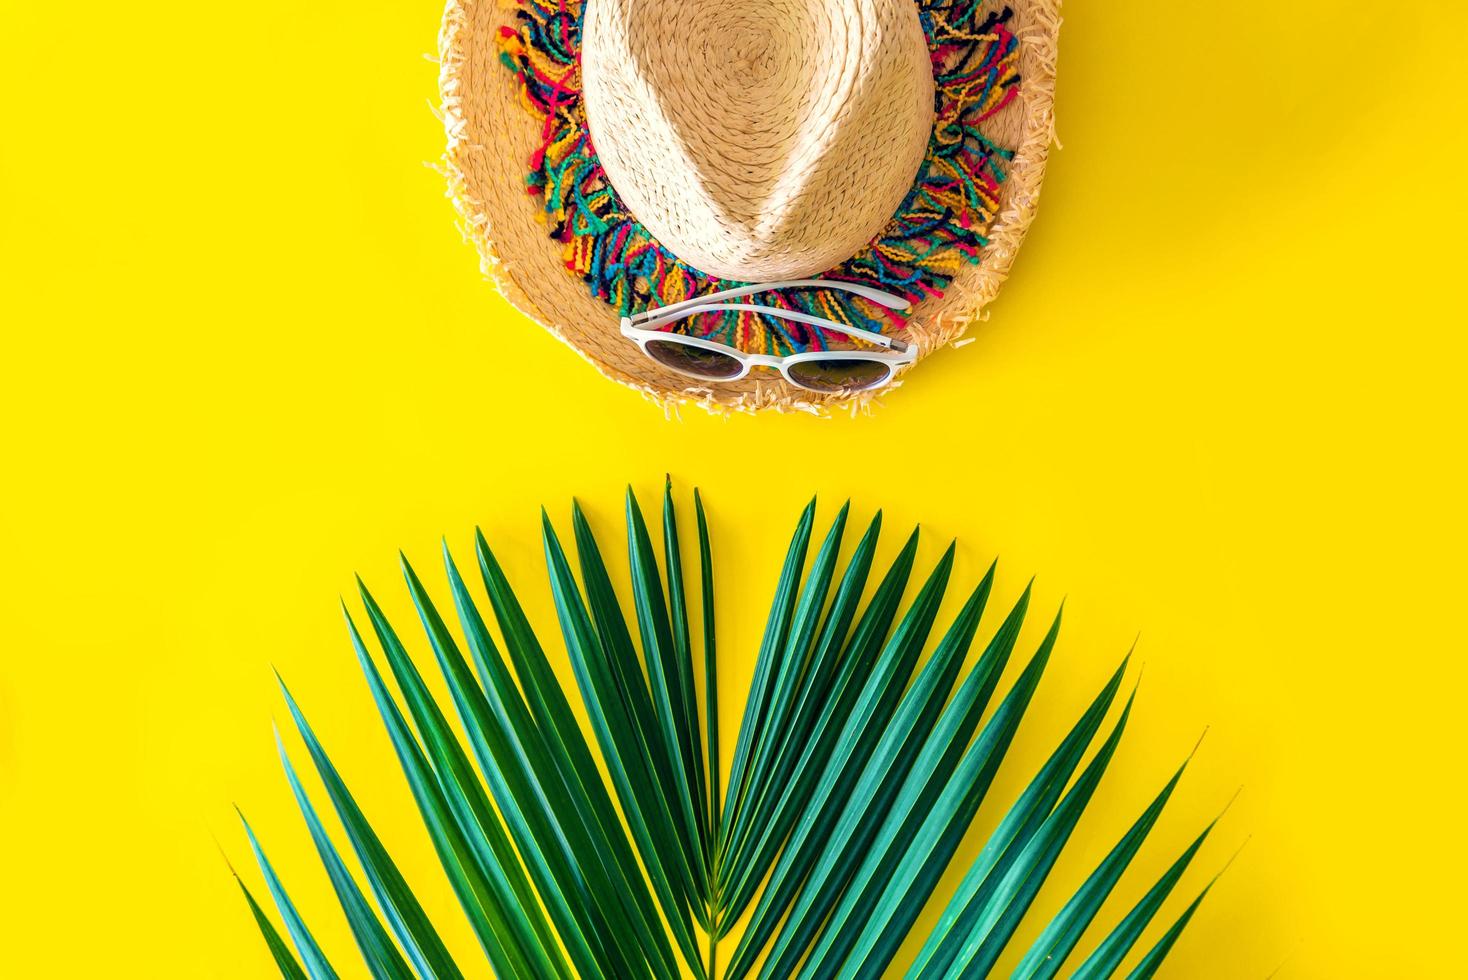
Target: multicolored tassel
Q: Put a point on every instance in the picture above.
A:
(939, 227)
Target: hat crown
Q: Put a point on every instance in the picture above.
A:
(758, 139)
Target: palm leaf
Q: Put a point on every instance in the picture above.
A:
(522, 802)
(400, 906)
(939, 793)
(285, 960)
(859, 738)
(1153, 960)
(628, 739)
(563, 738)
(975, 894)
(1107, 957)
(770, 809)
(1060, 937)
(508, 928)
(772, 649)
(378, 952)
(879, 777)
(558, 821)
(691, 735)
(710, 671)
(316, 965)
(858, 770)
(796, 790)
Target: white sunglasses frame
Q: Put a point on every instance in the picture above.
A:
(641, 330)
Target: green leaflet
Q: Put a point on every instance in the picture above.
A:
(1106, 960)
(880, 693)
(858, 656)
(691, 736)
(522, 805)
(839, 870)
(488, 894)
(625, 745)
(661, 659)
(561, 736)
(815, 690)
(1150, 964)
(936, 798)
(858, 768)
(788, 668)
(481, 829)
(975, 893)
(317, 967)
(285, 961)
(772, 648)
(1049, 951)
(648, 750)
(1021, 881)
(399, 905)
(710, 677)
(378, 952)
(940, 830)
(582, 845)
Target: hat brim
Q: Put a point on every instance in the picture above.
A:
(491, 136)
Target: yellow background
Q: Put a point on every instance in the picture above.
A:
(246, 354)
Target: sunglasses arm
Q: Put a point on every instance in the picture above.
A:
(654, 319)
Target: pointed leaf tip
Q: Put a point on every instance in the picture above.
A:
(365, 592)
(1226, 807)
(1229, 863)
(1202, 735)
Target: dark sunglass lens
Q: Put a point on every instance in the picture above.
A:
(839, 375)
(697, 361)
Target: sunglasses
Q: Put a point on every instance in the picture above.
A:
(821, 371)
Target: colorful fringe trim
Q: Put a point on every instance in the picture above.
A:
(939, 227)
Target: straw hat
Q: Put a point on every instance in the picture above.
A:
(675, 147)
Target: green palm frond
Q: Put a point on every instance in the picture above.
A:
(858, 769)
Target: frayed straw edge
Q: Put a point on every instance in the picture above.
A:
(1040, 49)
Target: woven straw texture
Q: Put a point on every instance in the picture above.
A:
(490, 136)
(803, 145)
